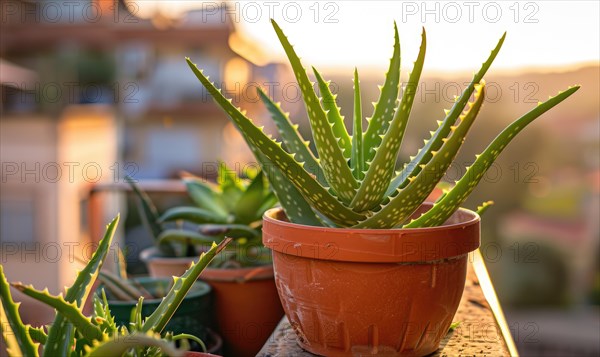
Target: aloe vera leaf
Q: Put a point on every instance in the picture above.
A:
(295, 206)
(104, 321)
(336, 170)
(149, 215)
(443, 209)
(385, 106)
(401, 206)
(121, 265)
(231, 186)
(205, 195)
(181, 285)
(292, 138)
(484, 207)
(268, 202)
(116, 292)
(136, 315)
(357, 160)
(148, 211)
(37, 334)
(98, 308)
(101, 309)
(185, 336)
(184, 237)
(336, 120)
(424, 155)
(119, 345)
(60, 335)
(454, 326)
(251, 200)
(69, 310)
(122, 285)
(312, 191)
(14, 331)
(229, 230)
(381, 170)
(191, 214)
(292, 201)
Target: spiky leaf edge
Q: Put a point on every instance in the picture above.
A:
(380, 172)
(332, 159)
(181, 285)
(424, 154)
(60, 334)
(443, 209)
(383, 111)
(408, 199)
(14, 331)
(311, 190)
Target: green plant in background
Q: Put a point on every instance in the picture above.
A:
(351, 181)
(233, 207)
(74, 334)
(120, 286)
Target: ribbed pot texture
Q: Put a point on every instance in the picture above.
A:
(363, 292)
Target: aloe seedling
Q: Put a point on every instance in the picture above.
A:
(233, 207)
(74, 334)
(350, 181)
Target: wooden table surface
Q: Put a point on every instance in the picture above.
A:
(482, 331)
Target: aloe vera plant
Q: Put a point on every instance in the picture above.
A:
(233, 207)
(74, 334)
(350, 181)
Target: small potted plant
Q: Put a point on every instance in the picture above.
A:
(363, 265)
(245, 297)
(192, 317)
(74, 334)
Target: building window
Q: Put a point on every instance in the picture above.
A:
(17, 221)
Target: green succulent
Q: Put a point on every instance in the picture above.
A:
(74, 334)
(350, 181)
(233, 207)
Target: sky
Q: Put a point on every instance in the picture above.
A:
(460, 34)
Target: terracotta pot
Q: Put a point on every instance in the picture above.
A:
(385, 292)
(246, 304)
(247, 307)
(160, 267)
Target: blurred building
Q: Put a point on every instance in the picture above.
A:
(66, 104)
(49, 163)
(167, 120)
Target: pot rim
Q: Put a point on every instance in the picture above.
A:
(152, 253)
(268, 216)
(240, 275)
(395, 245)
(205, 290)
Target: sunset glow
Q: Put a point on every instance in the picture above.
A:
(459, 34)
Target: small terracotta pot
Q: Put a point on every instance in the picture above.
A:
(247, 307)
(385, 292)
(246, 304)
(161, 267)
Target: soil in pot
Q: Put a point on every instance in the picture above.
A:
(370, 292)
